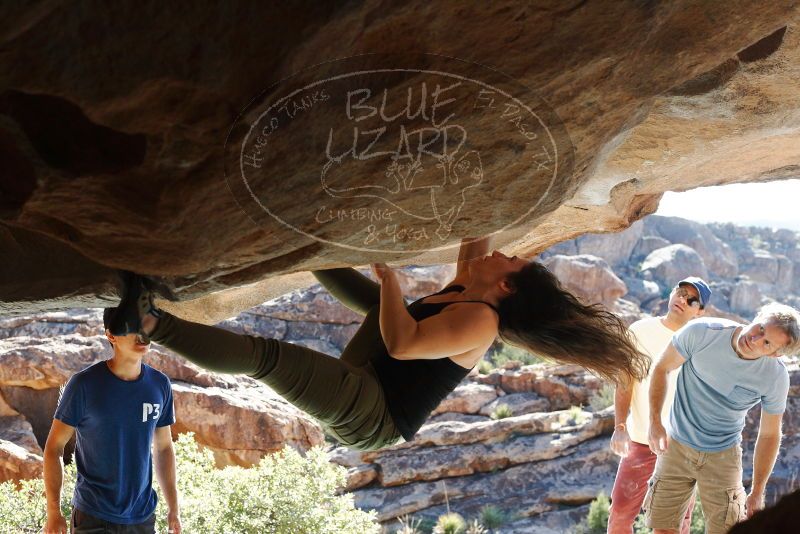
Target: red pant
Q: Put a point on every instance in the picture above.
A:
(629, 490)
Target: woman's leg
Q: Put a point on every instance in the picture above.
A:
(351, 288)
(348, 400)
(363, 296)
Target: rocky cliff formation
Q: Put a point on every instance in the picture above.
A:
(540, 465)
(124, 133)
(237, 418)
(745, 267)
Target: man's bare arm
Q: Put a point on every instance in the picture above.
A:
(167, 475)
(670, 360)
(767, 445)
(60, 434)
(620, 440)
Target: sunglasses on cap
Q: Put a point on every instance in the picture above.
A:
(690, 299)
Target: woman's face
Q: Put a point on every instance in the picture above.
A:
(495, 267)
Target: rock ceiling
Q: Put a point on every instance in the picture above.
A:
(207, 150)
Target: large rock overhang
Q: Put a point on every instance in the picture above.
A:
(114, 124)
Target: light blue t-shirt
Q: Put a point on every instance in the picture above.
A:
(114, 422)
(716, 387)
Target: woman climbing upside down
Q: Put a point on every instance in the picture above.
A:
(404, 359)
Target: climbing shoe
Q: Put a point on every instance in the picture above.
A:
(137, 301)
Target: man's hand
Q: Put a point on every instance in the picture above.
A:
(174, 522)
(56, 524)
(620, 442)
(754, 503)
(657, 439)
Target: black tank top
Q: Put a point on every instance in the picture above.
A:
(414, 388)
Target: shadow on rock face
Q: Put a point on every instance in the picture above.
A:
(67, 139)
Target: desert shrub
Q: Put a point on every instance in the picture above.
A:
(502, 353)
(285, 494)
(698, 525)
(501, 412)
(475, 527)
(408, 525)
(493, 517)
(574, 416)
(596, 521)
(602, 398)
(24, 509)
(450, 523)
(427, 525)
(484, 367)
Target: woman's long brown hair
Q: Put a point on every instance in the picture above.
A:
(545, 319)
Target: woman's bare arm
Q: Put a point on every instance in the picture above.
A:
(461, 328)
(471, 248)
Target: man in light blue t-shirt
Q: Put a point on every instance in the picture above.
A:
(119, 410)
(725, 369)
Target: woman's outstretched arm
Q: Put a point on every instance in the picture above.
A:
(471, 248)
(464, 327)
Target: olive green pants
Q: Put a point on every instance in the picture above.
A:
(343, 394)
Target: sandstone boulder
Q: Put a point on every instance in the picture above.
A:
(20, 454)
(299, 305)
(82, 321)
(458, 417)
(785, 277)
(241, 427)
(49, 362)
(763, 267)
(745, 298)
(433, 463)
(588, 277)
(615, 249)
(647, 244)
(562, 385)
(518, 403)
(467, 399)
(717, 256)
(523, 487)
(671, 264)
(644, 291)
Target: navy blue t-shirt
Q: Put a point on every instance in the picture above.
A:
(114, 422)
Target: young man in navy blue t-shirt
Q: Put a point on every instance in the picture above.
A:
(117, 409)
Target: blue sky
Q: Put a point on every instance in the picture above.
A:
(771, 204)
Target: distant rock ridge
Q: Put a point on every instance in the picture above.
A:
(746, 267)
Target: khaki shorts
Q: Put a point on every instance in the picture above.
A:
(718, 476)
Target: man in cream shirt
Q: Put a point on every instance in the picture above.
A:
(687, 301)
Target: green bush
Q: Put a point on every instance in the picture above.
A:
(450, 523)
(24, 509)
(493, 517)
(698, 525)
(475, 527)
(501, 412)
(602, 398)
(408, 525)
(574, 416)
(484, 367)
(598, 513)
(596, 521)
(285, 494)
(502, 353)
